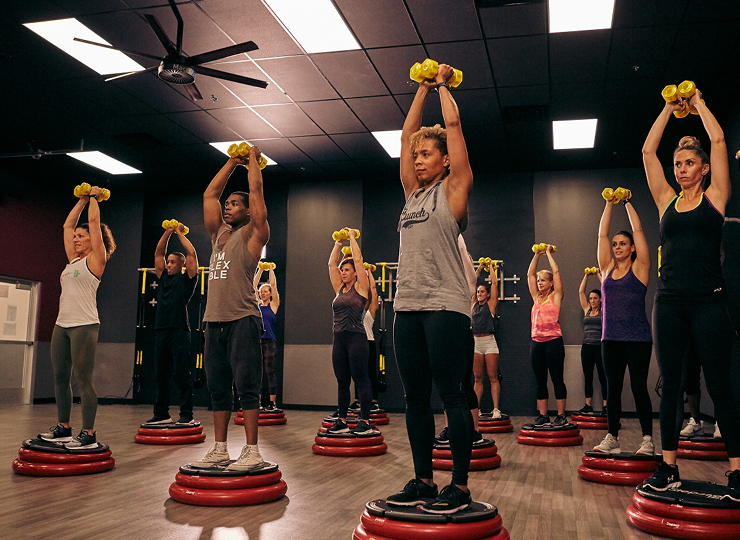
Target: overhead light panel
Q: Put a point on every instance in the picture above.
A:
(62, 33)
(316, 25)
(224, 146)
(104, 162)
(577, 15)
(390, 141)
(567, 134)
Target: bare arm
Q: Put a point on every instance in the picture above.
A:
(410, 126)
(256, 281)
(212, 215)
(334, 274)
(641, 265)
(557, 283)
(582, 293)
(531, 275)
(191, 257)
(471, 276)
(493, 301)
(98, 257)
(659, 187)
(160, 253)
(275, 302)
(257, 233)
(604, 249)
(70, 224)
(720, 190)
(374, 302)
(362, 285)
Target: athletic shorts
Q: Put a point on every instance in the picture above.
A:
(486, 345)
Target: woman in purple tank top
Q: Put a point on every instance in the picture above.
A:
(626, 342)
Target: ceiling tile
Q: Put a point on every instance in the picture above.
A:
(517, 20)
(381, 23)
(520, 61)
(470, 57)
(644, 48)
(360, 145)
(576, 101)
(478, 107)
(712, 10)
(299, 78)
(451, 20)
(350, 73)
(244, 122)
(520, 96)
(288, 119)
(432, 110)
(281, 150)
(394, 65)
(332, 116)
(251, 95)
(158, 94)
(319, 148)
(578, 56)
(378, 113)
(628, 13)
(161, 127)
(701, 58)
(204, 126)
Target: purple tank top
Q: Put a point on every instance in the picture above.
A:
(623, 305)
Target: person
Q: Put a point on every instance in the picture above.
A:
(695, 426)
(172, 328)
(232, 316)
(372, 359)
(626, 342)
(75, 335)
(269, 302)
(350, 348)
(591, 347)
(690, 301)
(432, 336)
(485, 358)
(547, 350)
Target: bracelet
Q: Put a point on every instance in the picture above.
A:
(94, 197)
(625, 201)
(445, 85)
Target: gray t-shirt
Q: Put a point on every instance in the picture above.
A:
(431, 276)
(230, 290)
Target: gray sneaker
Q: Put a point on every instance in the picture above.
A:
(647, 447)
(610, 445)
(58, 433)
(250, 458)
(717, 434)
(213, 459)
(692, 428)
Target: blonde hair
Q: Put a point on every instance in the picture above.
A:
(436, 133)
(547, 273)
(691, 143)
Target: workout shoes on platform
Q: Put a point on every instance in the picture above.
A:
(271, 407)
(443, 436)
(339, 426)
(450, 500)
(414, 493)
(374, 407)
(647, 447)
(478, 438)
(560, 420)
(664, 478)
(361, 427)
(335, 414)
(610, 445)
(586, 409)
(542, 420)
(250, 458)
(156, 419)
(692, 428)
(83, 440)
(733, 483)
(496, 414)
(216, 456)
(185, 420)
(717, 434)
(58, 433)
(355, 406)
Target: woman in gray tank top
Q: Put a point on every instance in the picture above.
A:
(591, 346)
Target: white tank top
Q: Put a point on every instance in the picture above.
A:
(368, 321)
(78, 304)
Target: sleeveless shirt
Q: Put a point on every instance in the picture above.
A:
(268, 321)
(349, 311)
(592, 328)
(623, 305)
(545, 325)
(482, 319)
(78, 303)
(431, 276)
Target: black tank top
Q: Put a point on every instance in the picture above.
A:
(689, 265)
(482, 319)
(349, 311)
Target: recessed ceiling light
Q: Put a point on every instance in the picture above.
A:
(316, 25)
(62, 33)
(390, 141)
(576, 15)
(568, 134)
(104, 162)
(224, 146)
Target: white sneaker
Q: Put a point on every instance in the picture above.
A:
(717, 434)
(250, 458)
(216, 456)
(647, 447)
(610, 445)
(496, 414)
(692, 428)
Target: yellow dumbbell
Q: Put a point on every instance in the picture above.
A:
(608, 194)
(542, 247)
(684, 90)
(346, 250)
(82, 190)
(370, 266)
(242, 150)
(428, 70)
(105, 194)
(621, 194)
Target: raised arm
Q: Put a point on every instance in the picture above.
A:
(191, 257)
(720, 190)
(659, 187)
(334, 274)
(641, 265)
(471, 276)
(275, 302)
(363, 285)
(374, 302)
(582, 293)
(493, 300)
(557, 283)
(604, 249)
(257, 233)
(532, 275)
(98, 256)
(160, 253)
(212, 215)
(410, 126)
(70, 224)
(256, 281)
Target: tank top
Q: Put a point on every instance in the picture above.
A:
(268, 321)
(173, 295)
(689, 264)
(431, 276)
(78, 303)
(545, 325)
(482, 319)
(623, 306)
(592, 328)
(349, 311)
(230, 289)
(368, 322)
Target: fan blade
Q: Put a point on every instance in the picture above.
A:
(127, 51)
(193, 91)
(131, 73)
(180, 25)
(159, 31)
(221, 53)
(229, 76)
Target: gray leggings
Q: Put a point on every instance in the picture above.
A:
(74, 348)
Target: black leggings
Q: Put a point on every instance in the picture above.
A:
(709, 326)
(618, 356)
(590, 357)
(349, 358)
(435, 346)
(372, 370)
(549, 356)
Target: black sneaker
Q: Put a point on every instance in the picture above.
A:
(586, 409)
(83, 440)
(58, 433)
(185, 420)
(339, 426)
(560, 420)
(156, 419)
(271, 407)
(374, 407)
(733, 483)
(542, 420)
(361, 427)
(477, 438)
(450, 500)
(355, 406)
(414, 493)
(664, 478)
(443, 436)
(335, 414)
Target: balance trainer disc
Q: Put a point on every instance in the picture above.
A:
(38, 457)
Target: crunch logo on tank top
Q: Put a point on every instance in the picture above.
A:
(219, 267)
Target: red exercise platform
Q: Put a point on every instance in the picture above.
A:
(369, 443)
(170, 433)
(38, 457)
(550, 435)
(622, 469)
(378, 417)
(590, 421)
(486, 424)
(483, 457)
(702, 448)
(266, 418)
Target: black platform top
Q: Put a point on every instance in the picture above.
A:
(626, 456)
(42, 445)
(173, 425)
(475, 512)
(267, 467)
(489, 416)
(364, 434)
(550, 427)
(593, 414)
(483, 443)
(702, 439)
(694, 493)
(271, 411)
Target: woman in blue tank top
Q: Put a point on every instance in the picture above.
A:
(269, 302)
(690, 303)
(626, 343)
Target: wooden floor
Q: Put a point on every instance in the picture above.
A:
(536, 490)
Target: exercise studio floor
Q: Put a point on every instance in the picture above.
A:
(537, 490)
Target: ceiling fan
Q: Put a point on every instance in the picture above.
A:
(178, 69)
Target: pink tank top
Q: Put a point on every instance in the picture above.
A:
(545, 325)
